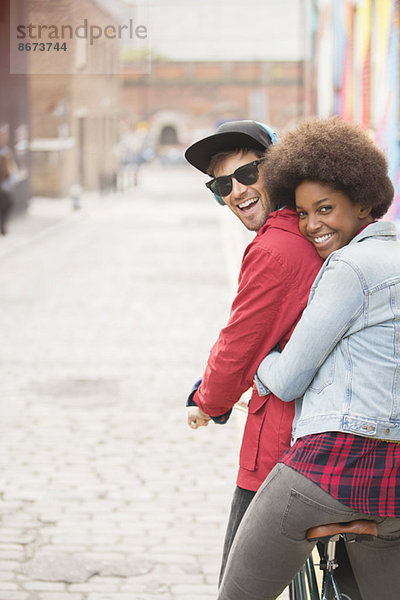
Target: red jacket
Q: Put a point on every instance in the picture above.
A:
(276, 274)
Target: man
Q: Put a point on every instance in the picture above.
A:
(277, 271)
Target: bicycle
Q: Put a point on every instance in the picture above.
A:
(305, 585)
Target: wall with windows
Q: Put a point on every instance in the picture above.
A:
(75, 114)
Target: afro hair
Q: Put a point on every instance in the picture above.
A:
(333, 152)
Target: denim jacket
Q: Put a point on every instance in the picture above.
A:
(344, 354)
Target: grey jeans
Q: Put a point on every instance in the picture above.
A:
(271, 546)
(240, 503)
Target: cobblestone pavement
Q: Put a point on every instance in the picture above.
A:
(108, 314)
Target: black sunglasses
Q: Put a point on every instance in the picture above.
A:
(246, 174)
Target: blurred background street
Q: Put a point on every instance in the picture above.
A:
(105, 493)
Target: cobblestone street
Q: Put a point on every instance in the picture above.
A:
(108, 316)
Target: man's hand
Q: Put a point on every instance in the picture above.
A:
(197, 418)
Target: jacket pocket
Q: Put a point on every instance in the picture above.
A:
(303, 512)
(258, 408)
(326, 374)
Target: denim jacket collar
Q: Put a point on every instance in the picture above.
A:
(378, 229)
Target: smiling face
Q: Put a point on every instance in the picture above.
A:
(249, 203)
(327, 217)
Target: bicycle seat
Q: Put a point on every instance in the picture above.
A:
(360, 527)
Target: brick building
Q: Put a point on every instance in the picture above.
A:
(74, 99)
(179, 101)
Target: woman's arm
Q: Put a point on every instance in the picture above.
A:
(338, 300)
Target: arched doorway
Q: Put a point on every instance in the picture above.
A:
(168, 136)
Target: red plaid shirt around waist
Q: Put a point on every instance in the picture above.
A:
(362, 473)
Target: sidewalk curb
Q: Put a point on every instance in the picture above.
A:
(42, 218)
(46, 230)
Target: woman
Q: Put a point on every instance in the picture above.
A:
(344, 356)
